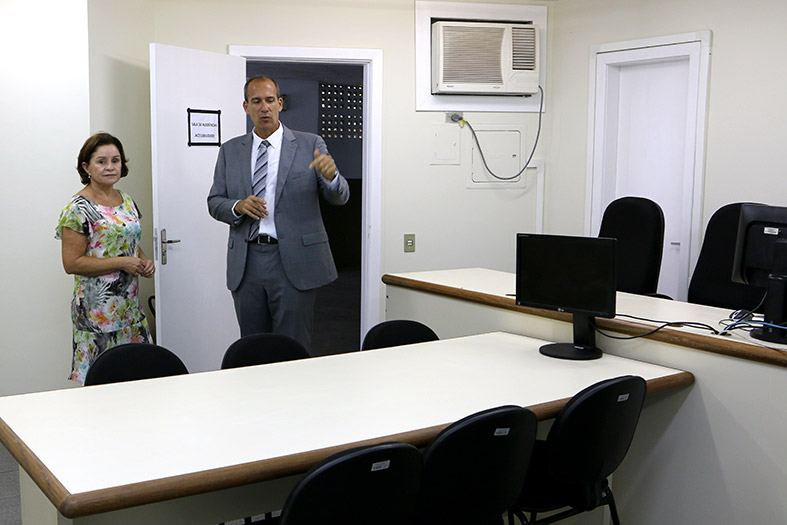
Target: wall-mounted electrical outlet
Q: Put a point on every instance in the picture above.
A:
(409, 242)
(453, 116)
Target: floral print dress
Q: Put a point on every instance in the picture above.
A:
(105, 310)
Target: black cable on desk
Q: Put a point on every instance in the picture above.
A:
(664, 324)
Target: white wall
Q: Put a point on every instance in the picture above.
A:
(455, 227)
(747, 108)
(431, 202)
(44, 108)
(120, 34)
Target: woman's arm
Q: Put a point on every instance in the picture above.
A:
(76, 262)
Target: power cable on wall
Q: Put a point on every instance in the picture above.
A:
(456, 118)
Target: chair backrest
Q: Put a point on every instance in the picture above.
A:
(711, 283)
(133, 361)
(638, 225)
(396, 333)
(373, 484)
(261, 349)
(592, 433)
(475, 468)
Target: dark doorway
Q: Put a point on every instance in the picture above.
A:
(327, 99)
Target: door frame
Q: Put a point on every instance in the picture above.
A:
(371, 241)
(650, 49)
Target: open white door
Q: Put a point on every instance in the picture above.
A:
(195, 317)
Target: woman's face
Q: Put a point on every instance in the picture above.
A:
(105, 165)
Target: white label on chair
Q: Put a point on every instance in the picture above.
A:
(381, 465)
(770, 230)
(502, 431)
(623, 397)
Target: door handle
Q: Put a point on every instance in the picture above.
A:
(164, 243)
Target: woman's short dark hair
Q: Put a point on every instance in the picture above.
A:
(89, 148)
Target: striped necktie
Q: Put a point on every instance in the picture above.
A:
(260, 175)
(259, 179)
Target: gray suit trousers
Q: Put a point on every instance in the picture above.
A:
(266, 300)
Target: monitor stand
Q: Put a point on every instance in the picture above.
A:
(584, 346)
(775, 311)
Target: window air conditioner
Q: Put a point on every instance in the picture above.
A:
(484, 58)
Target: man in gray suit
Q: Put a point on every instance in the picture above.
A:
(266, 186)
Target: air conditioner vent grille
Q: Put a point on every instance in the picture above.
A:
(524, 48)
(484, 58)
(473, 55)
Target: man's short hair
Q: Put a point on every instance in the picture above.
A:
(255, 79)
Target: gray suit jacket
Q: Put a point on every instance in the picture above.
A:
(303, 242)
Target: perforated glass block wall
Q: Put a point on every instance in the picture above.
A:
(341, 111)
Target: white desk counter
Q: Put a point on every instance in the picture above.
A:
(714, 453)
(100, 449)
(497, 289)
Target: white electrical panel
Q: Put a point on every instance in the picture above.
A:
(505, 152)
(446, 145)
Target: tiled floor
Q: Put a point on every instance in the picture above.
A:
(10, 513)
(337, 315)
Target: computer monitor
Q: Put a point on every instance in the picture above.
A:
(568, 274)
(761, 259)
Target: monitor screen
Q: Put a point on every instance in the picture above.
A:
(760, 227)
(564, 273)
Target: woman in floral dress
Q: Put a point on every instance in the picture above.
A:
(100, 233)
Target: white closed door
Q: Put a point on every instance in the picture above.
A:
(645, 145)
(195, 317)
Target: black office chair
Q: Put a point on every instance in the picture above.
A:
(396, 333)
(475, 468)
(132, 361)
(711, 283)
(638, 225)
(261, 349)
(372, 484)
(587, 442)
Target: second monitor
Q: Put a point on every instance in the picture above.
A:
(568, 274)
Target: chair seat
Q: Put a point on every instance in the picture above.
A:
(263, 349)
(543, 493)
(474, 469)
(711, 283)
(587, 442)
(638, 225)
(397, 332)
(369, 484)
(132, 362)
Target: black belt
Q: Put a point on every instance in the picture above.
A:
(264, 239)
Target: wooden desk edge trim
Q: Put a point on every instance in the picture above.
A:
(42, 476)
(702, 342)
(154, 491)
